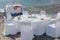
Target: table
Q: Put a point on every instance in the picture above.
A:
(30, 26)
(38, 24)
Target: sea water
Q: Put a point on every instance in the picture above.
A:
(27, 2)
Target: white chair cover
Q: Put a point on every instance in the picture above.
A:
(24, 17)
(53, 30)
(26, 31)
(9, 28)
(17, 23)
(9, 17)
(42, 12)
(57, 18)
(18, 27)
(25, 13)
(58, 15)
(58, 28)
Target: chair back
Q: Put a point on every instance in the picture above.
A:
(42, 12)
(8, 15)
(58, 19)
(26, 26)
(25, 13)
(58, 15)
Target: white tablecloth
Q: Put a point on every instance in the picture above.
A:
(26, 31)
(37, 24)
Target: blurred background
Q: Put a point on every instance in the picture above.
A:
(34, 6)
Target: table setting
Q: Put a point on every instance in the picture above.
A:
(30, 25)
(34, 20)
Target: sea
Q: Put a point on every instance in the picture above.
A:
(27, 3)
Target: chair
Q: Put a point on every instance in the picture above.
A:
(17, 23)
(9, 17)
(56, 19)
(25, 15)
(9, 25)
(43, 13)
(9, 29)
(53, 29)
(25, 12)
(26, 31)
(58, 15)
